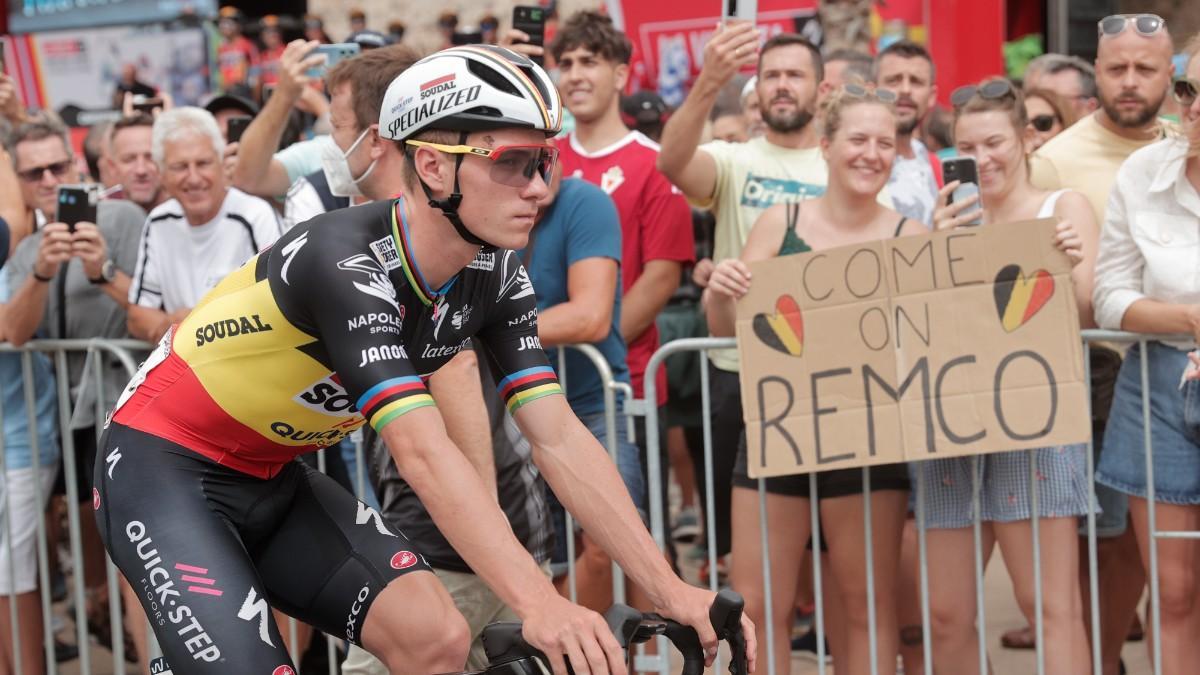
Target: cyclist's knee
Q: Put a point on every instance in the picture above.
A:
(413, 626)
(440, 648)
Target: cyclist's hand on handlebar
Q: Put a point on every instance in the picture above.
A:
(560, 627)
(690, 605)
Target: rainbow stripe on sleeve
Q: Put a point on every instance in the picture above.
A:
(528, 385)
(392, 398)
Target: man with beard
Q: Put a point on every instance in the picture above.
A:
(906, 68)
(738, 181)
(1133, 74)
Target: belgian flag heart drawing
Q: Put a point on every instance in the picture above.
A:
(782, 331)
(1019, 297)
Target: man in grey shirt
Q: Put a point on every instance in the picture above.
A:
(72, 283)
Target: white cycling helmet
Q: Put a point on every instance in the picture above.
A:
(470, 88)
(465, 89)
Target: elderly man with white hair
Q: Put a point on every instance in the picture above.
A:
(203, 232)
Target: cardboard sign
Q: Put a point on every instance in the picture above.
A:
(953, 343)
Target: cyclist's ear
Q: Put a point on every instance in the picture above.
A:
(378, 143)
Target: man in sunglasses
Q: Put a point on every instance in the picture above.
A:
(71, 281)
(1133, 76)
(338, 324)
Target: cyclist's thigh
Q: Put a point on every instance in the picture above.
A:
(331, 556)
(186, 563)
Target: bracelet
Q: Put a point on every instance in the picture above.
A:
(44, 280)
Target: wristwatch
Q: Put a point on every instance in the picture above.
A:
(108, 272)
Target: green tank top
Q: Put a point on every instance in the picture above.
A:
(793, 243)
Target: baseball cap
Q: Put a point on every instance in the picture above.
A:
(227, 100)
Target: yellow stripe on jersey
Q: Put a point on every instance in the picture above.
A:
(521, 398)
(395, 409)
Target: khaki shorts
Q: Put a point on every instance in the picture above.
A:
(478, 604)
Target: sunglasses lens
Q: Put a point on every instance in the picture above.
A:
(1147, 24)
(1043, 123)
(1112, 25)
(515, 167)
(1185, 92)
(995, 89)
(961, 95)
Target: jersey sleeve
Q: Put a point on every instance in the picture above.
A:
(344, 291)
(510, 338)
(667, 223)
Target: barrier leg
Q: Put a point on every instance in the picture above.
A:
(43, 554)
(1039, 628)
(1151, 525)
(980, 619)
(13, 617)
(872, 629)
(768, 604)
(818, 591)
(923, 553)
(1093, 558)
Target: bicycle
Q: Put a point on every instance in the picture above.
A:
(509, 654)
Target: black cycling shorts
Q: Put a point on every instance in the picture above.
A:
(210, 550)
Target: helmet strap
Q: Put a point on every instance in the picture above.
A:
(449, 205)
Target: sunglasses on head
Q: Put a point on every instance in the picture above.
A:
(993, 90)
(33, 175)
(1144, 24)
(1184, 91)
(512, 165)
(860, 91)
(1043, 123)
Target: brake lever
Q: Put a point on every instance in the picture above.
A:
(726, 618)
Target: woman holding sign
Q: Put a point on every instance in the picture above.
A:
(990, 126)
(858, 141)
(1147, 282)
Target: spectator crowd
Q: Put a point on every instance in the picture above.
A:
(646, 233)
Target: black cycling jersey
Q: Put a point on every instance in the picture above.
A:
(200, 500)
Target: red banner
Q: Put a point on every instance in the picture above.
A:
(669, 37)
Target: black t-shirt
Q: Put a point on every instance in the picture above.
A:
(522, 490)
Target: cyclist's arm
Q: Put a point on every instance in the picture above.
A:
(456, 390)
(584, 478)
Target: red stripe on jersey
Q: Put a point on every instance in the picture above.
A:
(528, 379)
(172, 404)
(391, 391)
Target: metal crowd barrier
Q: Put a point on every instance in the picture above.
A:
(123, 352)
(659, 528)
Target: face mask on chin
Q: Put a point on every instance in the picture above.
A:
(342, 182)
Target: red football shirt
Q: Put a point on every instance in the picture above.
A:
(235, 60)
(656, 222)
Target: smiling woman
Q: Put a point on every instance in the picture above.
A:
(858, 142)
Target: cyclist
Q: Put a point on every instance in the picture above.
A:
(198, 499)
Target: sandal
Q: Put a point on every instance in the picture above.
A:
(1019, 638)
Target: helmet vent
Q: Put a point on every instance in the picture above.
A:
(493, 78)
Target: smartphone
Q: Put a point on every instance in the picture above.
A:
(964, 170)
(76, 204)
(532, 22)
(236, 126)
(333, 53)
(741, 9)
(145, 104)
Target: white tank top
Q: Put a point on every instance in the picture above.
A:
(1047, 209)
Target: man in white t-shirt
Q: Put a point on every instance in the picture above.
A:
(205, 231)
(906, 68)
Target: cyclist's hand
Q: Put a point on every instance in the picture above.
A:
(560, 627)
(690, 605)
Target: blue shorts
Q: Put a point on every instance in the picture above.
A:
(1004, 481)
(1174, 429)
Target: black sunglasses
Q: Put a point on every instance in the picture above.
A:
(1144, 24)
(993, 90)
(33, 175)
(1184, 91)
(1043, 123)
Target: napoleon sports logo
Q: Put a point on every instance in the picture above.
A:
(378, 285)
(782, 331)
(1019, 297)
